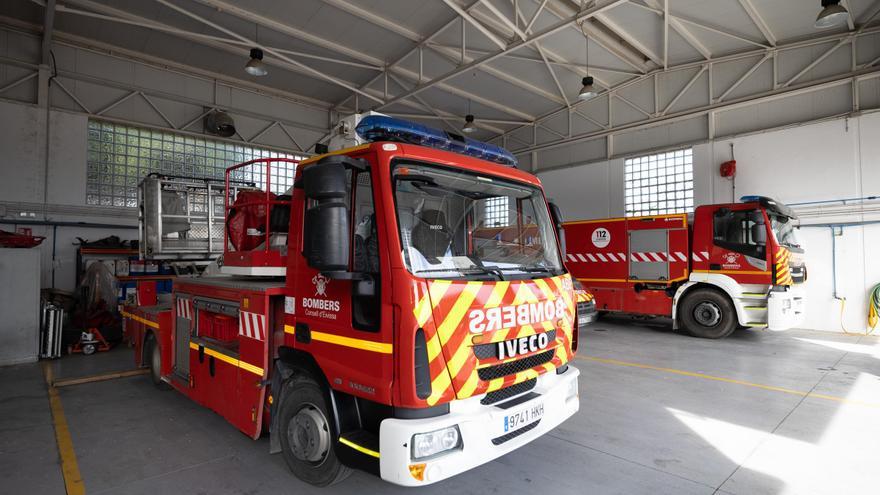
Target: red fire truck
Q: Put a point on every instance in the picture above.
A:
(402, 309)
(730, 265)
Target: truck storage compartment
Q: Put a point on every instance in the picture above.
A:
(218, 326)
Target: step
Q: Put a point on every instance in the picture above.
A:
(756, 308)
(362, 441)
(761, 295)
(756, 324)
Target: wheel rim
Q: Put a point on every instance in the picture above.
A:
(707, 313)
(308, 435)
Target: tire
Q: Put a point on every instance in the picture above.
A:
(707, 314)
(154, 354)
(308, 435)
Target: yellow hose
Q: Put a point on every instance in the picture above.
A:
(873, 308)
(842, 307)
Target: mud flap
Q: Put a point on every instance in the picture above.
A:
(283, 371)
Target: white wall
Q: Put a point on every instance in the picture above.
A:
(22, 167)
(828, 160)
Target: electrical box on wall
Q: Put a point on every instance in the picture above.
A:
(344, 134)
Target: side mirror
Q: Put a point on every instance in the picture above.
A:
(556, 216)
(326, 229)
(759, 234)
(325, 243)
(757, 217)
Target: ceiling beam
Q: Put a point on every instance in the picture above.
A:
(769, 95)
(191, 34)
(683, 31)
(270, 23)
(48, 26)
(602, 36)
(95, 46)
(375, 19)
(759, 21)
(569, 65)
(361, 89)
(701, 25)
(481, 28)
(773, 51)
(237, 51)
(516, 45)
(276, 53)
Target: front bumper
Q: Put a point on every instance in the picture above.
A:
(786, 309)
(479, 425)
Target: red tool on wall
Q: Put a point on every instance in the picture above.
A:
(19, 239)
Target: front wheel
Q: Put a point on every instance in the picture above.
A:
(707, 314)
(307, 434)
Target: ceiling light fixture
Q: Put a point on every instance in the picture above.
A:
(833, 14)
(256, 66)
(588, 91)
(469, 126)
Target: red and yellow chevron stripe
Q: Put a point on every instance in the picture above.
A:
(582, 295)
(445, 310)
(783, 274)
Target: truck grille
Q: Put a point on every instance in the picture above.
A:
(508, 392)
(487, 351)
(510, 436)
(501, 370)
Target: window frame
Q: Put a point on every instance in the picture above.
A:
(660, 183)
(119, 156)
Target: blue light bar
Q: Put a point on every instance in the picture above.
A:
(382, 128)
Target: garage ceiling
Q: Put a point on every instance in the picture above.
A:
(523, 59)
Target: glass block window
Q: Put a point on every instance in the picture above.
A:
(119, 156)
(659, 184)
(496, 214)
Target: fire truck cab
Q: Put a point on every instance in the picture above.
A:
(402, 309)
(728, 265)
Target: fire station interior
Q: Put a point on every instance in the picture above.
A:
(457, 246)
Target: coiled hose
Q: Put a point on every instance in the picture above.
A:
(874, 308)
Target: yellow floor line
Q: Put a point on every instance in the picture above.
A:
(73, 482)
(729, 380)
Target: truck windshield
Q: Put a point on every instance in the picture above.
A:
(783, 229)
(458, 225)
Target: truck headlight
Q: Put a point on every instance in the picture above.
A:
(425, 445)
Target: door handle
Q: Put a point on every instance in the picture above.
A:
(211, 366)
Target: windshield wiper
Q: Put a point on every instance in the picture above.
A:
(524, 269)
(474, 270)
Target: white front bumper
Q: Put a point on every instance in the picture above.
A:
(478, 424)
(786, 309)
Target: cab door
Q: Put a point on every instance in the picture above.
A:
(340, 320)
(739, 244)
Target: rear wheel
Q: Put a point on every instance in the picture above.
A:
(708, 314)
(154, 354)
(307, 434)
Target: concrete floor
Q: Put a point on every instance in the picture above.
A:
(660, 413)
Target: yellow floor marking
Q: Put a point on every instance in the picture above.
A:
(73, 482)
(98, 378)
(729, 380)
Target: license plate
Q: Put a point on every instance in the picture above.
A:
(523, 417)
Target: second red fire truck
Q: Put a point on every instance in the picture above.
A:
(402, 309)
(730, 265)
